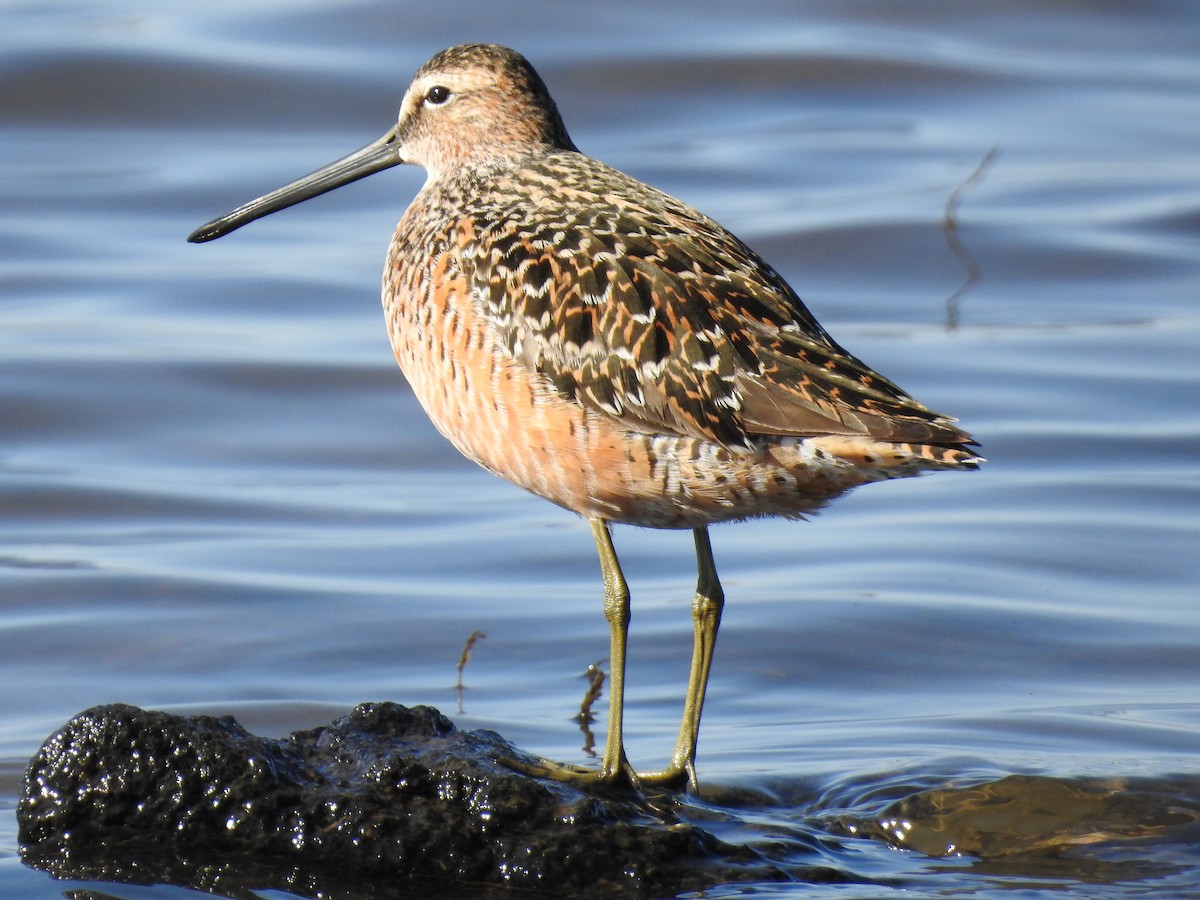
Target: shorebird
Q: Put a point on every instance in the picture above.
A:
(608, 347)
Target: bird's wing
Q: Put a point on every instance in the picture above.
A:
(632, 303)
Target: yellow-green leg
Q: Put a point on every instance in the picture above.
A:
(707, 606)
(615, 766)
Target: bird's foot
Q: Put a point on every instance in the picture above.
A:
(567, 773)
(621, 775)
(672, 778)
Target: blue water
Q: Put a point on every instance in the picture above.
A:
(218, 495)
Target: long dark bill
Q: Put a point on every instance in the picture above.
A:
(375, 157)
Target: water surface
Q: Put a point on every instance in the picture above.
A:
(218, 495)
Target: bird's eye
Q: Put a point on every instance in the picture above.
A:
(437, 95)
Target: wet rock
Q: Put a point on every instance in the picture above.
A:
(382, 794)
(1026, 814)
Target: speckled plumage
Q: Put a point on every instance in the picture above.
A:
(668, 370)
(608, 347)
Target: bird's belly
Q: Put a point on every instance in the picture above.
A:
(510, 420)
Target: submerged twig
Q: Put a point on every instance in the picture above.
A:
(595, 676)
(950, 229)
(463, 659)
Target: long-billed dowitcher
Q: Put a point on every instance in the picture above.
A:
(608, 347)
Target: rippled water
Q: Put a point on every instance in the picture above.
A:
(217, 493)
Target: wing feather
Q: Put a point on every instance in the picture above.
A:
(637, 305)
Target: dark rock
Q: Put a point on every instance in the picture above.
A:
(382, 796)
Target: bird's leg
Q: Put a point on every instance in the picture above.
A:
(614, 768)
(616, 610)
(706, 620)
(707, 605)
